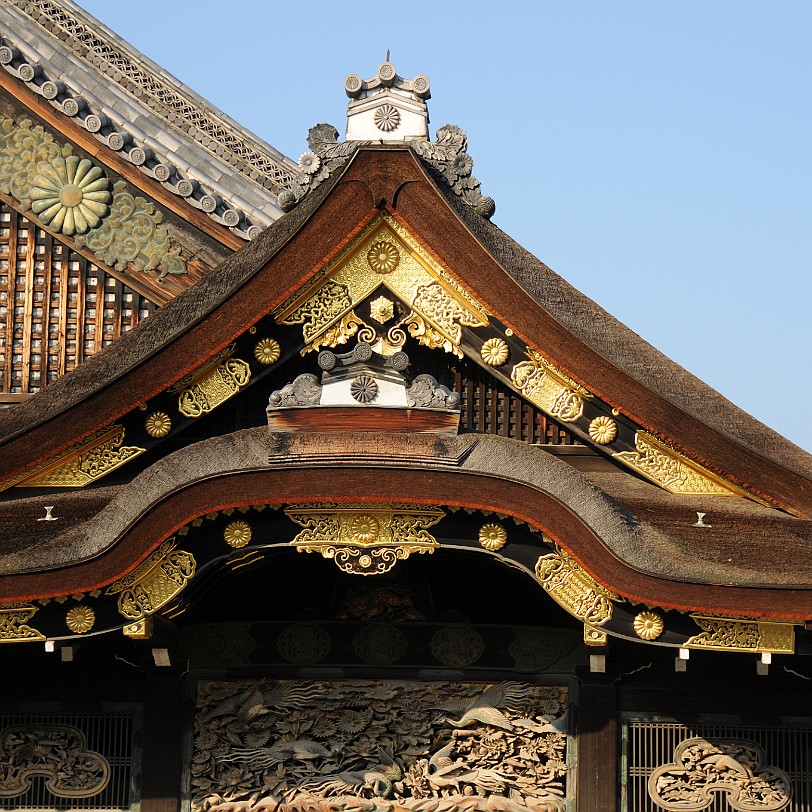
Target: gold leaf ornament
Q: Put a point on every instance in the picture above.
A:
(492, 536)
(80, 619)
(237, 534)
(603, 430)
(648, 625)
(495, 352)
(267, 351)
(383, 257)
(158, 424)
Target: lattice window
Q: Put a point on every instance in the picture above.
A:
(56, 307)
(57, 760)
(685, 764)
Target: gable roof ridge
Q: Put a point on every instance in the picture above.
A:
(62, 53)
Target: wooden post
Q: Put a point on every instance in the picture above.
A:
(597, 736)
(161, 768)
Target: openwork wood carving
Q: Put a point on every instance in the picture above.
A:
(735, 768)
(58, 752)
(379, 747)
(365, 539)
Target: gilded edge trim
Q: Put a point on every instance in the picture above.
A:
(733, 634)
(574, 589)
(213, 383)
(84, 463)
(668, 468)
(14, 626)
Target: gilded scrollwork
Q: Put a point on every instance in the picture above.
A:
(365, 539)
(154, 582)
(673, 471)
(384, 256)
(735, 634)
(58, 752)
(379, 746)
(549, 388)
(575, 589)
(214, 383)
(703, 770)
(86, 462)
(14, 619)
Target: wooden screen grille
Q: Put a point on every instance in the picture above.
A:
(651, 744)
(56, 307)
(488, 405)
(112, 734)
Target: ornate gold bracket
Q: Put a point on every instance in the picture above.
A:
(212, 384)
(85, 462)
(673, 471)
(383, 255)
(574, 589)
(365, 539)
(732, 634)
(549, 388)
(153, 583)
(14, 626)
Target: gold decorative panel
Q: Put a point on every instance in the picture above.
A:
(85, 463)
(731, 634)
(155, 582)
(214, 383)
(14, 626)
(365, 539)
(379, 746)
(383, 256)
(673, 471)
(574, 589)
(549, 388)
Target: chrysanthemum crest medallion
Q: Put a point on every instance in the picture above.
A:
(383, 257)
(158, 424)
(80, 619)
(70, 195)
(492, 536)
(495, 352)
(267, 351)
(387, 118)
(603, 430)
(237, 534)
(648, 625)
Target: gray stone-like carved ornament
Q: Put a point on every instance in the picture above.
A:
(379, 746)
(426, 392)
(305, 390)
(735, 768)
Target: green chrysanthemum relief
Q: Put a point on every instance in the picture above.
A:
(72, 196)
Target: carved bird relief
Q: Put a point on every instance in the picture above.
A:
(485, 708)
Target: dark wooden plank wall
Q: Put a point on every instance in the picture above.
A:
(56, 307)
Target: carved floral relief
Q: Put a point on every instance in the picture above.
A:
(382, 746)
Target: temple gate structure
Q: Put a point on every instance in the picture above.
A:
(320, 493)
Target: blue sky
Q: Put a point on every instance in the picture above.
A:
(657, 155)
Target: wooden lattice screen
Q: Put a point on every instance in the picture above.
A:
(56, 307)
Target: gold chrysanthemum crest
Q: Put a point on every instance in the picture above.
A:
(158, 424)
(70, 195)
(383, 257)
(492, 536)
(603, 430)
(648, 625)
(267, 351)
(80, 619)
(237, 534)
(365, 528)
(495, 352)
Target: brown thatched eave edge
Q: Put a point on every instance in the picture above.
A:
(178, 338)
(608, 357)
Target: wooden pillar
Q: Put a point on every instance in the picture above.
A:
(597, 735)
(161, 765)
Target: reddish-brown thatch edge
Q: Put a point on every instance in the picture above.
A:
(337, 484)
(185, 351)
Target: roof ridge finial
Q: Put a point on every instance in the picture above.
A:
(387, 107)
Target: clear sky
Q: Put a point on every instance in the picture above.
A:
(656, 154)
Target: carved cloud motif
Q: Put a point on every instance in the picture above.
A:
(733, 767)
